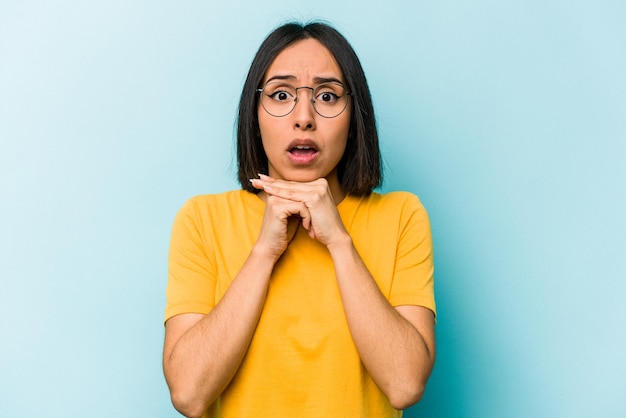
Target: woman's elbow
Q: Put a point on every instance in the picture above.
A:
(406, 396)
(186, 405)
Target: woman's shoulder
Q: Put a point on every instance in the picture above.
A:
(395, 199)
(216, 198)
(393, 205)
(228, 201)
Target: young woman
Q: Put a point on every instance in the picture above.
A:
(305, 293)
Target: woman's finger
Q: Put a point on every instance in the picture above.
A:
(310, 193)
(323, 222)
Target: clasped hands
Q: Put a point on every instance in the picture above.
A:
(290, 203)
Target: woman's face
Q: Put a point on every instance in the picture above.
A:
(304, 146)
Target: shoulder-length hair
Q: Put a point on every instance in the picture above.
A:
(360, 169)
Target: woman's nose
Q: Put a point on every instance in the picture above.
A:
(304, 113)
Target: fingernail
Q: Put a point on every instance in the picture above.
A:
(263, 176)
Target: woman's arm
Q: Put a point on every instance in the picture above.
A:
(202, 353)
(396, 345)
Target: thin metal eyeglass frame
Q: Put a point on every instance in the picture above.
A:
(295, 100)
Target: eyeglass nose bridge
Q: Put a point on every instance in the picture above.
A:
(312, 100)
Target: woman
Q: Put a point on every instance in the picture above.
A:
(304, 294)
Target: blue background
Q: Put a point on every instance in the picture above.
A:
(508, 119)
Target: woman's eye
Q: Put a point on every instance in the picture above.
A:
(327, 97)
(280, 96)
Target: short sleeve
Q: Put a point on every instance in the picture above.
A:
(413, 277)
(191, 271)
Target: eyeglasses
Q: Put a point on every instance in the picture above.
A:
(328, 99)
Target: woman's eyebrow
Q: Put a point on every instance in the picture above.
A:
(316, 80)
(321, 80)
(281, 77)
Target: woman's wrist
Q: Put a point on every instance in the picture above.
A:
(340, 244)
(263, 254)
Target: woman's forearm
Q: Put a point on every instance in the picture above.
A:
(199, 360)
(397, 354)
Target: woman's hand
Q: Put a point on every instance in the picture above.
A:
(280, 223)
(311, 201)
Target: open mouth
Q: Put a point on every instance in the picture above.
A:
(302, 150)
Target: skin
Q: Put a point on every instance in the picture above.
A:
(397, 345)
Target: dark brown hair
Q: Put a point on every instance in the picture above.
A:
(360, 168)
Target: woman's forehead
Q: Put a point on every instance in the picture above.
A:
(305, 61)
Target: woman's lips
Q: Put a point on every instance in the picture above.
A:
(302, 151)
(302, 154)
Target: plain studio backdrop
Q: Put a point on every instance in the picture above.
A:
(508, 119)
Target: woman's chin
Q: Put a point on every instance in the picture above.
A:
(299, 177)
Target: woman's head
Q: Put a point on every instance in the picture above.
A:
(359, 168)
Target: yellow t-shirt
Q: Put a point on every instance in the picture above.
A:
(302, 361)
